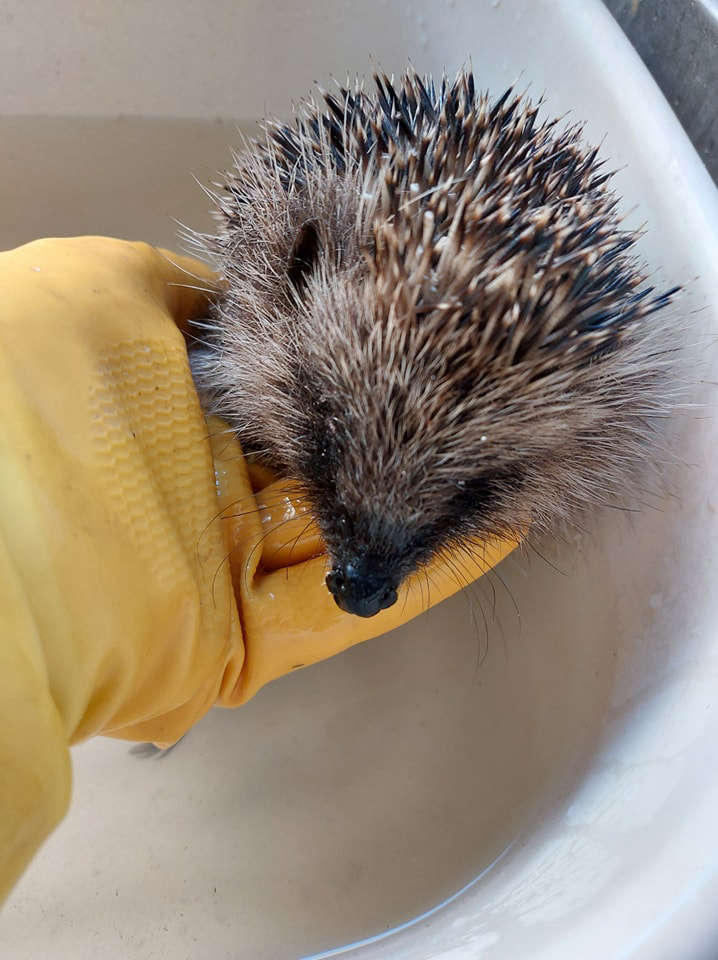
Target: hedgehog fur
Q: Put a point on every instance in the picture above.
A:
(434, 321)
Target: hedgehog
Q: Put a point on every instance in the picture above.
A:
(434, 322)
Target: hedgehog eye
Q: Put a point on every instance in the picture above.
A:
(304, 255)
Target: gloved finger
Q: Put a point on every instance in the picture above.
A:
(260, 476)
(289, 532)
(292, 621)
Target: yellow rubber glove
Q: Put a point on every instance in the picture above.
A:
(141, 582)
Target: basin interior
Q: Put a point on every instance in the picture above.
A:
(544, 728)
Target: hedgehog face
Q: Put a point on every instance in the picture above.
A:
(433, 322)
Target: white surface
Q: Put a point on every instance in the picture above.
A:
(357, 794)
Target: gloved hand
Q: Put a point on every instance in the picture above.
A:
(141, 580)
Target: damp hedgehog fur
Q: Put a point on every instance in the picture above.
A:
(434, 321)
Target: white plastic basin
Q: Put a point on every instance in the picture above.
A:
(565, 753)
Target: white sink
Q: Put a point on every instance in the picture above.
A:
(561, 746)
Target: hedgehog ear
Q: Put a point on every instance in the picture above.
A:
(304, 255)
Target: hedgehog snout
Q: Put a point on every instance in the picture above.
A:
(361, 590)
(371, 551)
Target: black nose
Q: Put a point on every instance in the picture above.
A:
(359, 592)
